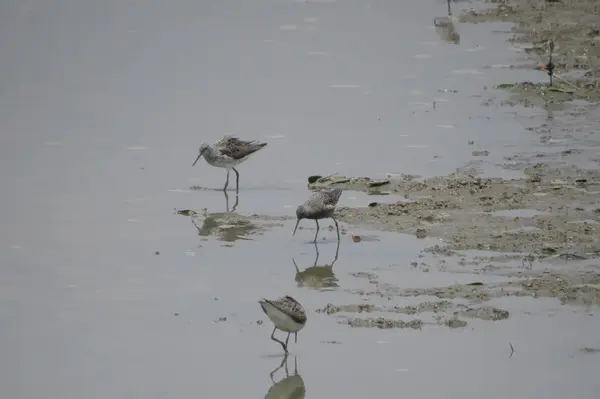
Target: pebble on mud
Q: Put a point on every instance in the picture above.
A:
(421, 233)
(383, 323)
(455, 323)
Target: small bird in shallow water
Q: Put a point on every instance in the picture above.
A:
(287, 315)
(228, 152)
(320, 205)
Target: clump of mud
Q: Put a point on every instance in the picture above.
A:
(552, 212)
(452, 311)
(439, 310)
(581, 289)
(383, 323)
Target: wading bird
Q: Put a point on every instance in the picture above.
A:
(287, 315)
(320, 205)
(227, 153)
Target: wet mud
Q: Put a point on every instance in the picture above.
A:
(540, 230)
(545, 214)
(521, 225)
(434, 275)
(574, 29)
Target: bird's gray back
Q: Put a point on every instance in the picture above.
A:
(291, 307)
(321, 204)
(331, 197)
(235, 148)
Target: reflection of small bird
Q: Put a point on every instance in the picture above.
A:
(320, 205)
(287, 314)
(318, 277)
(292, 386)
(227, 153)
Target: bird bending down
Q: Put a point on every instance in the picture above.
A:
(287, 315)
(228, 152)
(320, 205)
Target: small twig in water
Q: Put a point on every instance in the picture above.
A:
(550, 65)
(512, 350)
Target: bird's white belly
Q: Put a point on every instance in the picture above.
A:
(226, 163)
(281, 320)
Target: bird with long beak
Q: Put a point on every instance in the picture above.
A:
(227, 153)
(320, 205)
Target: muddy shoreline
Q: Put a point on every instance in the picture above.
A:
(573, 28)
(550, 215)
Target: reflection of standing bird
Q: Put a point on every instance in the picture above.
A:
(291, 387)
(227, 153)
(287, 315)
(319, 277)
(320, 205)
(444, 26)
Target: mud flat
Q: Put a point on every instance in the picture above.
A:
(541, 231)
(573, 27)
(550, 213)
(524, 227)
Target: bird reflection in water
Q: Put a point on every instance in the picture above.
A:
(318, 277)
(445, 27)
(226, 226)
(290, 387)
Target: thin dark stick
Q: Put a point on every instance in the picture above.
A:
(512, 350)
(550, 66)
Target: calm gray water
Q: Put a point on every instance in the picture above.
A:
(102, 108)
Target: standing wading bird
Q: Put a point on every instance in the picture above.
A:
(320, 205)
(227, 153)
(287, 315)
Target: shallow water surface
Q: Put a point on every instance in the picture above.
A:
(106, 292)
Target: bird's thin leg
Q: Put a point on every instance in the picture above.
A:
(276, 340)
(287, 339)
(226, 181)
(337, 227)
(237, 180)
(226, 200)
(317, 233)
(317, 257)
(295, 337)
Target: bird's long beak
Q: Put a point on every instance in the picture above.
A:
(298, 221)
(199, 155)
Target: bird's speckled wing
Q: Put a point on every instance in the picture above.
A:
(329, 198)
(291, 307)
(235, 148)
